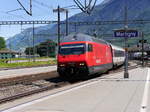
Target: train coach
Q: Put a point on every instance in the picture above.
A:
(81, 55)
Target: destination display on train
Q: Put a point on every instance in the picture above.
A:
(126, 33)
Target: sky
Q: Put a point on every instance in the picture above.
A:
(42, 10)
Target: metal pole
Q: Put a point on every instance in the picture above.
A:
(29, 49)
(31, 7)
(58, 26)
(10, 50)
(33, 44)
(126, 74)
(47, 48)
(142, 49)
(66, 22)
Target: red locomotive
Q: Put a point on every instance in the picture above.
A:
(81, 55)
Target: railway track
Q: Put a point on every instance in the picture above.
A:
(27, 78)
(25, 86)
(27, 90)
(122, 69)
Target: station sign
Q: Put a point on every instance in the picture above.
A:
(126, 33)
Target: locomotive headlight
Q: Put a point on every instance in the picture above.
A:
(62, 65)
(82, 64)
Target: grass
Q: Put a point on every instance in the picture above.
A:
(17, 59)
(26, 64)
(28, 58)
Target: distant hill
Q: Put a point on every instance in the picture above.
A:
(25, 39)
(108, 10)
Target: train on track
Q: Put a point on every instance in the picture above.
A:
(80, 55)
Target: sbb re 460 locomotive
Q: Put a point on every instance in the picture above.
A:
(80, 55)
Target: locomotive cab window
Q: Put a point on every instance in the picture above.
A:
(90, 47)
(72, 49)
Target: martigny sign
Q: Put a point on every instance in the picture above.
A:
(126, 33)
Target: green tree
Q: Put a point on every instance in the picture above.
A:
(46, 48)
(2, 43)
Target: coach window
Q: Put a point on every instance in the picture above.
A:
(90, 47)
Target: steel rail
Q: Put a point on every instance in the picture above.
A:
(49, 87)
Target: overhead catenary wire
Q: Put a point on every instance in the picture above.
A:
(71, 7)
(12, 15)
(41, 8)
(42, 4)
(87, 7)
(14, 10)
(10, 12)
(28, 12)
(79, 5)
(92, 6)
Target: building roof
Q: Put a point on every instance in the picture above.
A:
(8, 51)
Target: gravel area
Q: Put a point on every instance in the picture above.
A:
(9, 91)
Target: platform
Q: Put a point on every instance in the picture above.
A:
(25, 71)
(105, 94)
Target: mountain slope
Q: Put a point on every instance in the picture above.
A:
(108, 10)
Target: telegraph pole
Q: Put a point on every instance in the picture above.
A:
(126, 74)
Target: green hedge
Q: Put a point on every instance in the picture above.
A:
(26, 64)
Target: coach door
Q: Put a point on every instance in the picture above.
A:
(90, 54)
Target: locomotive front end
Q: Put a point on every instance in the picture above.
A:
(72, 60)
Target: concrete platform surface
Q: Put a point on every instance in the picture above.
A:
(106, 94)
(25, 71)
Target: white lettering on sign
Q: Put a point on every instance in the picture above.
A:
(126, 33)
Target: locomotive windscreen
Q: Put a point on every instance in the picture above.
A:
(72, 49)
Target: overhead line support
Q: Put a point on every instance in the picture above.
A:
(73, 23)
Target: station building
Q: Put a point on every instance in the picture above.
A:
(6, 53)
(136, 51)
